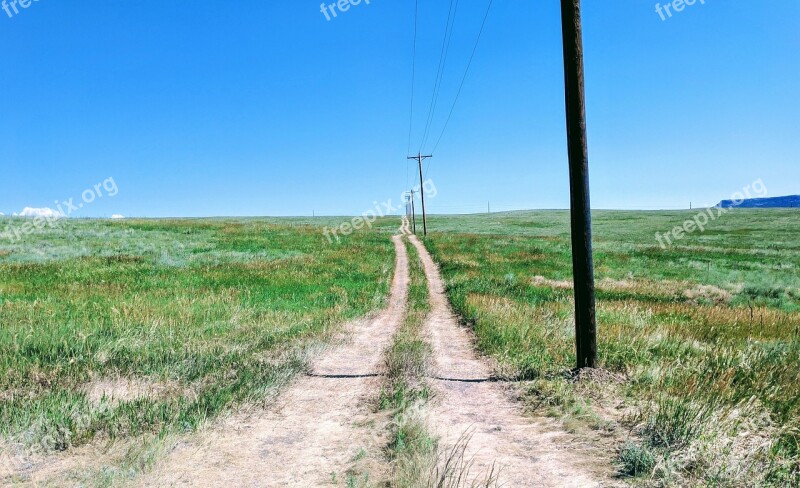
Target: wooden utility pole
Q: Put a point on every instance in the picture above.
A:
(580, 210)
(420, 158)
(413, 215)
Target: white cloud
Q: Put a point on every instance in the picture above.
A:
(39, 212)
(117, 216)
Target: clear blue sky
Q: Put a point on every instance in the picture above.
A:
(265, 108)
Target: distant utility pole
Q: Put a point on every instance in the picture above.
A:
(488, 207)
(580, 209)
(413, 214)
(420, 158)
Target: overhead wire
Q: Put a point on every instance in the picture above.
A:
(413, 78)
(437, 85)
(413, 74)
(463, 80)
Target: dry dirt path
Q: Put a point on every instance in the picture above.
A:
(316, 427)
(527, 452)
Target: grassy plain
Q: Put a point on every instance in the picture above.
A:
(122, 329)
(113, 329)
(699, 342)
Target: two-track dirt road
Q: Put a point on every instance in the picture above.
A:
(324, 420)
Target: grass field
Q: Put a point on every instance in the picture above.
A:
(117, 329)
(700, 342)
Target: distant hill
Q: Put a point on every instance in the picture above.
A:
(791, 201)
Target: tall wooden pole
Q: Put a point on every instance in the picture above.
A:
(419, 157)
(413, 215)
(580, 210)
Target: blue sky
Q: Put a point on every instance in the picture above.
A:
(266, 108)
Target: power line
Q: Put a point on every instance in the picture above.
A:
(437, 84)
(413, 78)
(446, 41)
(440, 73)
(413, 74)
(463, 78)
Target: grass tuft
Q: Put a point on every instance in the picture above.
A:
(636, 460)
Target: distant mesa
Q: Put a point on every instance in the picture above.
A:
(791, 201)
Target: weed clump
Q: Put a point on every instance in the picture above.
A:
(636, 460)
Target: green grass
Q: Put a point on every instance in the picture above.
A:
(181, 320)
(636, 460)
(184, 320)
(703, 336)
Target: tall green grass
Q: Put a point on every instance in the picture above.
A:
(118, 329)
(702, 340)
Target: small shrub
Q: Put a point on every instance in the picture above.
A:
(636, 460)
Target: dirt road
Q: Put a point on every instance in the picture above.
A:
(526, 452)
(323, 430)
(318, 426)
